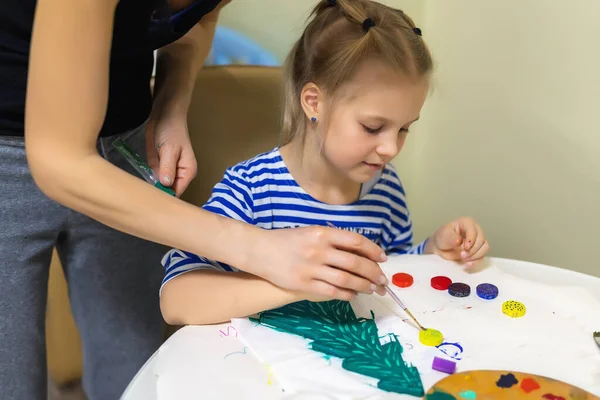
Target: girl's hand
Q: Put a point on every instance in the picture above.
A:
(317, 262)
(461, 240)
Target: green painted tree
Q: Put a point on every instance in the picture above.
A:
(336, 331)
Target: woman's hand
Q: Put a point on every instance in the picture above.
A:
(461, 240)
(169, 152)
(323, 263)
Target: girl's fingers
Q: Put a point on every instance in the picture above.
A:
(471, 232)
(448, 238)
(478, 256)
(473, 247)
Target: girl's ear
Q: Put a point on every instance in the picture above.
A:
(311, 99)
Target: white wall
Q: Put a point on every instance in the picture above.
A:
(511, 134)
(277, 24)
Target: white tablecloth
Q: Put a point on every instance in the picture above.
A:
(211, 362)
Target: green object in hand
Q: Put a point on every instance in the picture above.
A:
(164, 188)
(140, 165)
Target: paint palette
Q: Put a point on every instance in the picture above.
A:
(485, 291)
(497, 385)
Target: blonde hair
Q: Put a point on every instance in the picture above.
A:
(339, 37)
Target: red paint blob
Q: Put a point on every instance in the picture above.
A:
(529, 385)
(441, 282)
(549, 396)
(402, 280)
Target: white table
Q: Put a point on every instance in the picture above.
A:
(199, 345)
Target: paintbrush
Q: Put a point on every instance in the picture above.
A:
(394, 297)
(404, 308)
(597, 338)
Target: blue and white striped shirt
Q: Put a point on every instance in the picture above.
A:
(261, 191)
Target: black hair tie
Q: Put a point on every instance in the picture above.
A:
(332, 3)
(368, 24)
(417, 31)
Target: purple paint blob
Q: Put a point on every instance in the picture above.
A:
(487, 291)
(458, 289)
(447, 366)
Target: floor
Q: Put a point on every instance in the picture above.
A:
(73, 392)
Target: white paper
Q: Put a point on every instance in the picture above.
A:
(553, 339)
(209, 362)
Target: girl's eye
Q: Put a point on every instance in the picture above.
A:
(405, 130)
(371, 130)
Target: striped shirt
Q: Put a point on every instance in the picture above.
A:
(261, 191)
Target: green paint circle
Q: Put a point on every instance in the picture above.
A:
(468, 394)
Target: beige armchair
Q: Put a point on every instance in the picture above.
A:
(233, 116)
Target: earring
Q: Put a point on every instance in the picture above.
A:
(313, 120)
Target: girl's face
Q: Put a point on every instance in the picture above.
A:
(369, 123)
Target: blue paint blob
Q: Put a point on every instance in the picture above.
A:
(507, 381)
(452, 350)
(458, 289)
(468, 394)
(487, 291)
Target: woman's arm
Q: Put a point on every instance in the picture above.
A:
(209, 297)
(66, 104)
(168, 145)
(178, 63)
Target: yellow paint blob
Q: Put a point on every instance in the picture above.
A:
(431, 337)
(513, 309)
(270, 375)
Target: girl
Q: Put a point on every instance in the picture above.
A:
(356, 81)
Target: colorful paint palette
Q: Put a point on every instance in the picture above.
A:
(498, 385)
(486, 291)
